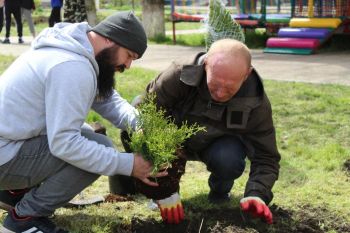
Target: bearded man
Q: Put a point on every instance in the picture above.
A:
(46, 155)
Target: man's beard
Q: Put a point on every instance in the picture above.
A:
(106, 64)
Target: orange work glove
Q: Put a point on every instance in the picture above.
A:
(257, 208)
(171, 209)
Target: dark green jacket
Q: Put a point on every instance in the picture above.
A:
(182, 91)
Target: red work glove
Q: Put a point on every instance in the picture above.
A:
(171, 209)
(256, 208)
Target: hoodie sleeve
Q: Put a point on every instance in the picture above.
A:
(117, 110)
(69, 92)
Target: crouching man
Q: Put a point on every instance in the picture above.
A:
(222, 92)
(46, 156)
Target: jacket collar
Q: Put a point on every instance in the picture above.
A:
(194, 73)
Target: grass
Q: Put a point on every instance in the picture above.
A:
(5, 61)
(311, 137)
(183, 26)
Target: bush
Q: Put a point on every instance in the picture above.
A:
(157, 137)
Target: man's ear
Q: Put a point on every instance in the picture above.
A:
(205, 62)
(109, 42)
(250, 69)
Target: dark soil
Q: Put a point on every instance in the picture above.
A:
(167, 185)
(227, 220)
(117, 198)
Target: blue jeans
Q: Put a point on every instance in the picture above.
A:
(225, 159)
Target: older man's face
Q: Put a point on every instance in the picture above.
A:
(225, 76)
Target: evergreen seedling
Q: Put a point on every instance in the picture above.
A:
(158, 137)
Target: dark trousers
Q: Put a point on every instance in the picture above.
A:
(1, 18)
(55, 16)
(225, 159)
(16, 11)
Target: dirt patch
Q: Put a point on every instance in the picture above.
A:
(117, 198)
(227, 220)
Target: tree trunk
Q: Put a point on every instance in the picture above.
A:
(91, 12)
(153, 18)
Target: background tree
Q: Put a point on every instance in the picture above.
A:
(153, 18)
(91, 12)
(74, 11)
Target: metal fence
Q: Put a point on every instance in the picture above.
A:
(322, 8)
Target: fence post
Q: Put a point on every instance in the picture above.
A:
(172, 19)
(292, 3)
(310, 8)
(263, 11)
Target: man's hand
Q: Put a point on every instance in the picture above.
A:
(142, 170)
(256, 208)
(171, 209)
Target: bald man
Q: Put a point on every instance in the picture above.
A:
(222, 92)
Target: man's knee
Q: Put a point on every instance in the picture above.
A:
(225, 157)
(227, 167)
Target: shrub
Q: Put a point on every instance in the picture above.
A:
(157, 137)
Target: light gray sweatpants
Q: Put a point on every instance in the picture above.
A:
(53, 182)
(27, 14)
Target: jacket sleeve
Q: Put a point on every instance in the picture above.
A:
(264, 156)
(117, 110)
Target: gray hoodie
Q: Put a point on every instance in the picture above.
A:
(49, 90)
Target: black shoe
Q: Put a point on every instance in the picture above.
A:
(6, 41)
(13, 223)
(218, 198)
(20, 40)
(8, 199)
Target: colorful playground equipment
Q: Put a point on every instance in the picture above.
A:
(313, 23)
(271, 14)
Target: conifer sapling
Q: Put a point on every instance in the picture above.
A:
(157, 136)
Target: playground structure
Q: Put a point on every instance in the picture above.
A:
(250, 14)
(313, 23)
(271, 14)
(302, 26)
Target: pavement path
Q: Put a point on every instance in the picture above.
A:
(331, 68)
